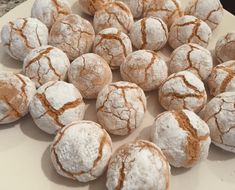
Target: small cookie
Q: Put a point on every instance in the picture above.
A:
(16, 91)
(115, 14)
(191, 57)
(73, 35)
(22, 35)
(89, 73)
(149, 33)
(145, 68)
(55, 105)
(219, 114)
(183, 137)
(182, 90)
(225, 48)
(138, 165)
(90, 6)
(222, 78)
(46, 63)
(113, 45)
(48, 11)
(209, 11)
(81, 151)
(189, 29)
(121, 107)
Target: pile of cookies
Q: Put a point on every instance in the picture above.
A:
(66, 59)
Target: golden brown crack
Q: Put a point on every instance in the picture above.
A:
(23, 88)
(143, 33)
(59, 9)
(121, 177)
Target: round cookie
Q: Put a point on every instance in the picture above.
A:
(113, 45)
(48, 11)
(121, 107)
(183, 137)
(22, 35)
(90, 6)
(55, 105)
(145, 68)
(189, 29)
(222, 78)
(149, 33)
(16, 91)
(209, 11)
(219, 114)
(81, 151)
(191, 57)
(225, 48)
(115, 14)
(46, 63)
(138, 165)
(72, 34)
(89, 73)
(182, 90)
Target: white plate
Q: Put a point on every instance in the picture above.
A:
(24, 153)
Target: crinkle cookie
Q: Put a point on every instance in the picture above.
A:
(46, 63)
(16, 92)
(210, 11)
(22, 35)
(116, 15)
(222, 78)
(90, 73)
(219, 114)
(138, 165)
(48, 11)
(73, 35)
(81, 151)
(55, 105)
(182, 90)
(145, 68)
(149, 33)
(136, 7)
(113, 45)
(189, 29)
(193, 58)
(183, 137)
(121, 107)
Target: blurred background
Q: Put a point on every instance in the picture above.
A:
(229, 5)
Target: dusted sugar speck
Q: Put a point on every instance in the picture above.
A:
(81, 151)
(121, 107)
(55, 105)
(138, 165)
(22, 35)
(183, 137)
(16, 92)
(45, 64)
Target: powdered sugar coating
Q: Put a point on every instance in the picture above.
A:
(189, 29)
(121, 107)
(209, 11)
(22, 35)
(48, 11)
(89, 73)
(193, 58)
(149, 33)
(73, 35)
(113, 45)
(222, 78)
(91, 6)
(55, 105)
(183, 90)
(183, 137)
(138, 165)
(225, 48)
(145, 68)
(46, 63)
(219, 114)
(136, 7)
(81, 151)
(115, 14)
(16, 91)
